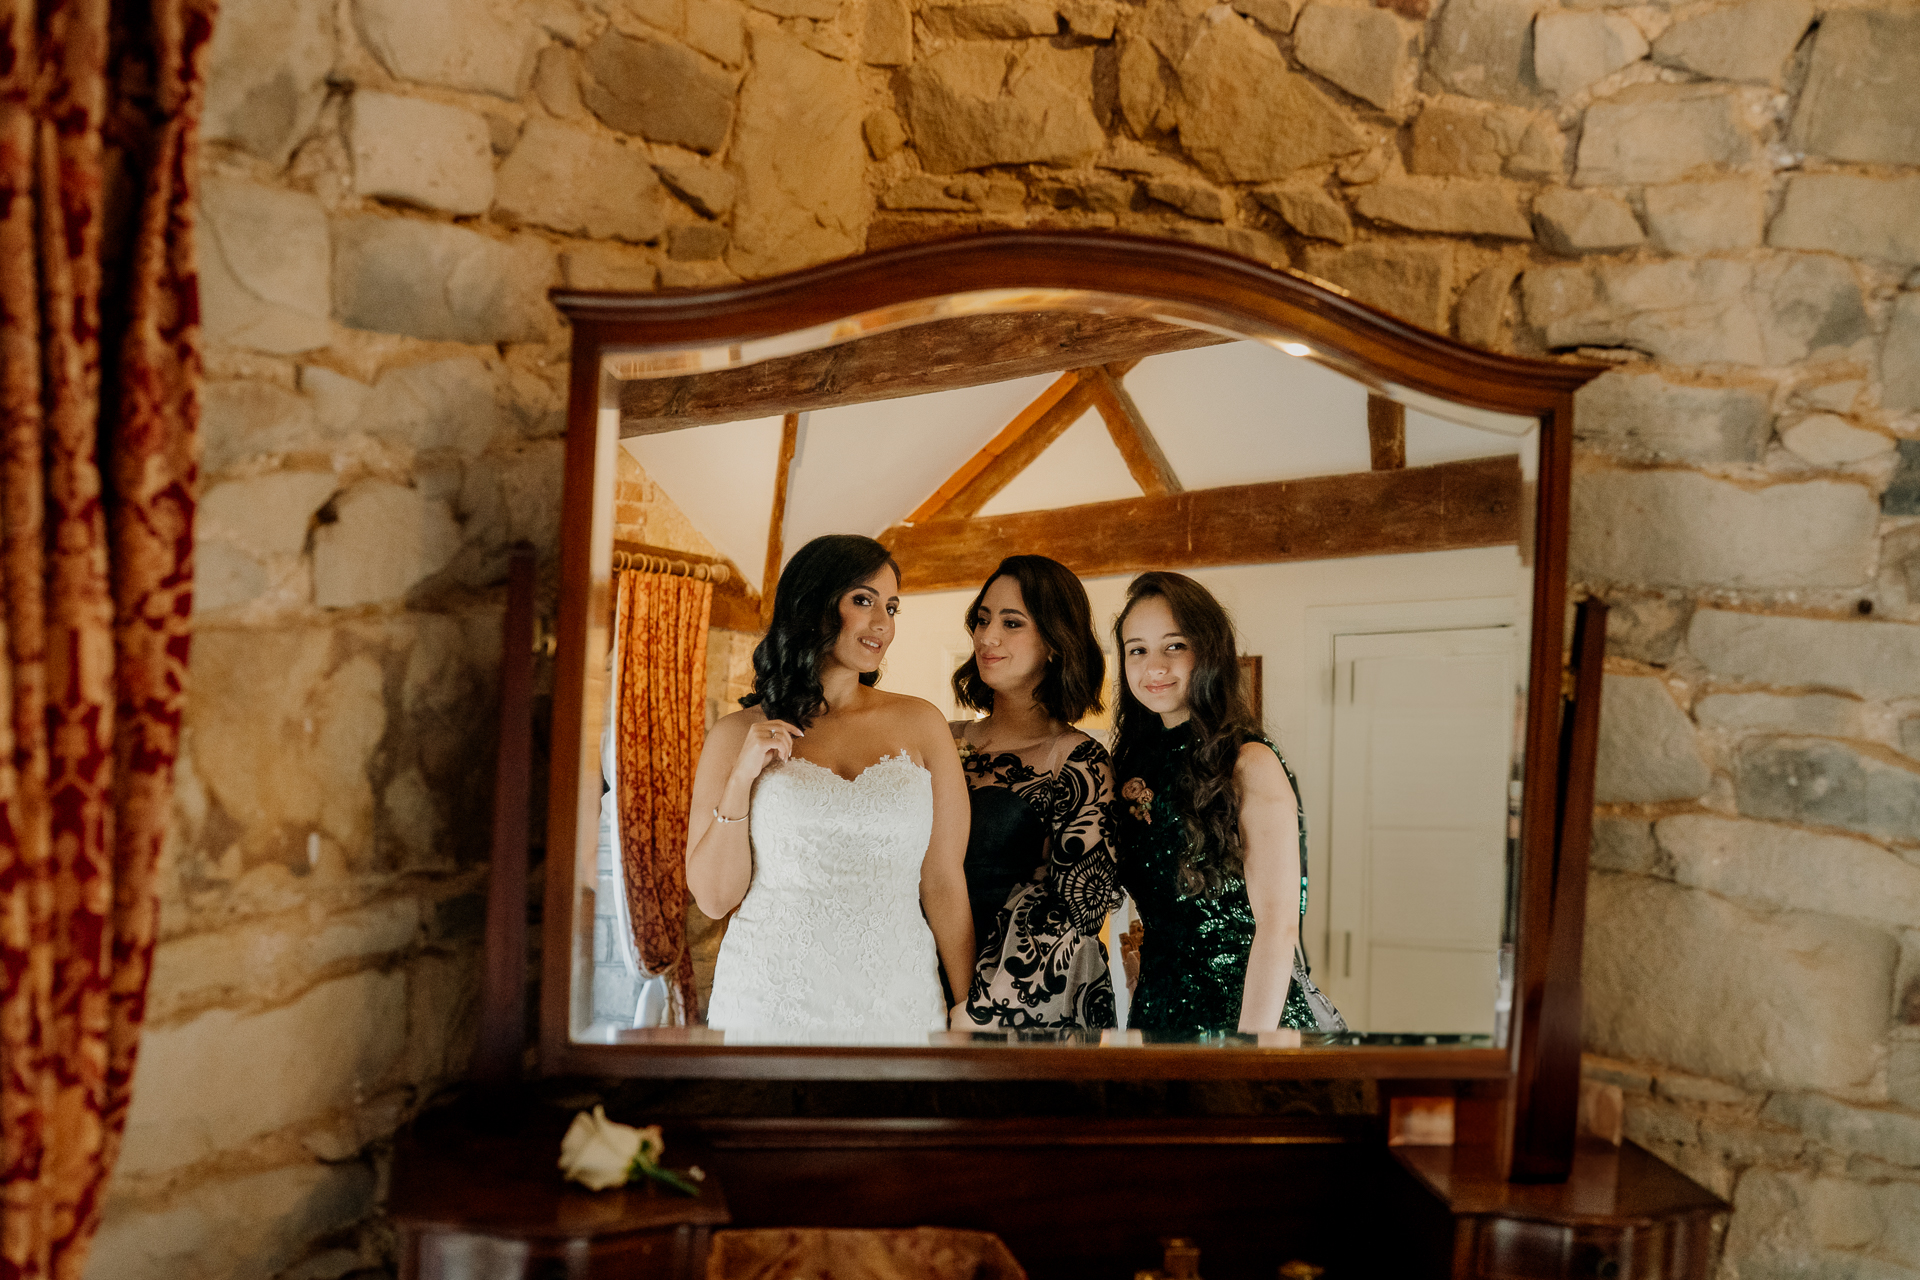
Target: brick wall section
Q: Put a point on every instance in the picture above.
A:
(1719, 198)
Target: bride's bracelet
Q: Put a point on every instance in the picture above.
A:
(720, 817)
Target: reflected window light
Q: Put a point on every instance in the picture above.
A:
(1296, 348)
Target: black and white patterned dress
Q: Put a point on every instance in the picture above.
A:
(1042, 879)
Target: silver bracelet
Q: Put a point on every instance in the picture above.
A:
(720, 817)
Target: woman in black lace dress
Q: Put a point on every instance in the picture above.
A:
(1041, 877)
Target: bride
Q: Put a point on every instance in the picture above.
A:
(832, 815)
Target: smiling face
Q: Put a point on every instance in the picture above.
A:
(1158, 659)
(866, 621)
(1006, 644)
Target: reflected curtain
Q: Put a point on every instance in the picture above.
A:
(99, 373)
(661, 624)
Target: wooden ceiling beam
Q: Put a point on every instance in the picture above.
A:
(777, 521)
(1386, 433)
(1145, 461)
(1010, 452)
(941, 355)
(1439, 508)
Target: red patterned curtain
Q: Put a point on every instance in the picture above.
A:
(99, 373)
(661, 622)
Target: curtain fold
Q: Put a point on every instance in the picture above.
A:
(99, 372)
(661, 621)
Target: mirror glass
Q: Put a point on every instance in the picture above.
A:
(1371, 546)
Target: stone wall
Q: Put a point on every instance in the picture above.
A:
(1718, 198)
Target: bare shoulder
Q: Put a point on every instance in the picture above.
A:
(733, 728)
(1257, 772)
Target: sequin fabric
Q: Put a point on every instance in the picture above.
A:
(1193, 960)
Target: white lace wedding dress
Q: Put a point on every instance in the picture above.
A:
(829, 946)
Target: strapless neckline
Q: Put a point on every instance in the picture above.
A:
(899, 757)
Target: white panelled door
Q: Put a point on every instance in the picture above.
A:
(1423, 731)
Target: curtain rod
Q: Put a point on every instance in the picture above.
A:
(641, 562)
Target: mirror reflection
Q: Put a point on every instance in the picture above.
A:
(1131, 686)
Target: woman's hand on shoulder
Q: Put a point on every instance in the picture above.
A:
(762, 742)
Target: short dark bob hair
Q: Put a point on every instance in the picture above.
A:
(806, 623)
(1057, 603)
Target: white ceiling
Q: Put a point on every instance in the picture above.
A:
(1239, 413)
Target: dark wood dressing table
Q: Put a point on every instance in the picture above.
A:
(1515, 1198)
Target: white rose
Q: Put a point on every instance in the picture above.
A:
(598, 1152)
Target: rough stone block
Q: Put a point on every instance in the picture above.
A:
(976, 105)
(1664, 963)
(1624, 844)
(888, 38)
(1774, 866)
(1856, 216)
(1663, 133)
(556, 82)
(385, 538)
(1484, 49)
(1701, 217)
(1481, 317)
(1310, 210)
(1878, 660)
(283, 730)
(264, 515)
(1703, 311)
(799, 159)
(714, 27)
(1190, 198)
(1820, 782)
(458, 44)
(659, 91)
(1460, 137)
(425, 153)
(1364, 51)
(1094, 19)
(254, 1225)
(1902, 494)
(1576, 222)
(708, 192)
(1412, 281)
(1645, 416)
(697, 242)
(1749, 42)
(430, 280)
(1011, 20)
(268, 1070)
(1903, 1077)
(1684, 529)
(581, 183)
(1859, 103)
(1648, 754)
(608, 266)
(263, 267)
(1245, 117)
(1574, 48)
(244, 419)
(884, 133)
(267, 71)
(1451, 205)
(1828, 440)
(1900, 356)
(224, 576)
(1275, 15)
(1879, 1133)
(442, 404)
(1647, 628)
(1824, 715)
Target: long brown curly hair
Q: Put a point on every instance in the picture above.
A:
(1222, 720)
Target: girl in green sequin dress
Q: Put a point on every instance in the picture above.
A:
(1212, 840)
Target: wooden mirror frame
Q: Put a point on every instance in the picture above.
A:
(1020, 271)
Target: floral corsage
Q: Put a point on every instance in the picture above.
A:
(1139, 799)
(599, 1153)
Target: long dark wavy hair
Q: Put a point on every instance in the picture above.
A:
(806, 623)
(1222, 720)
(1057, 603)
